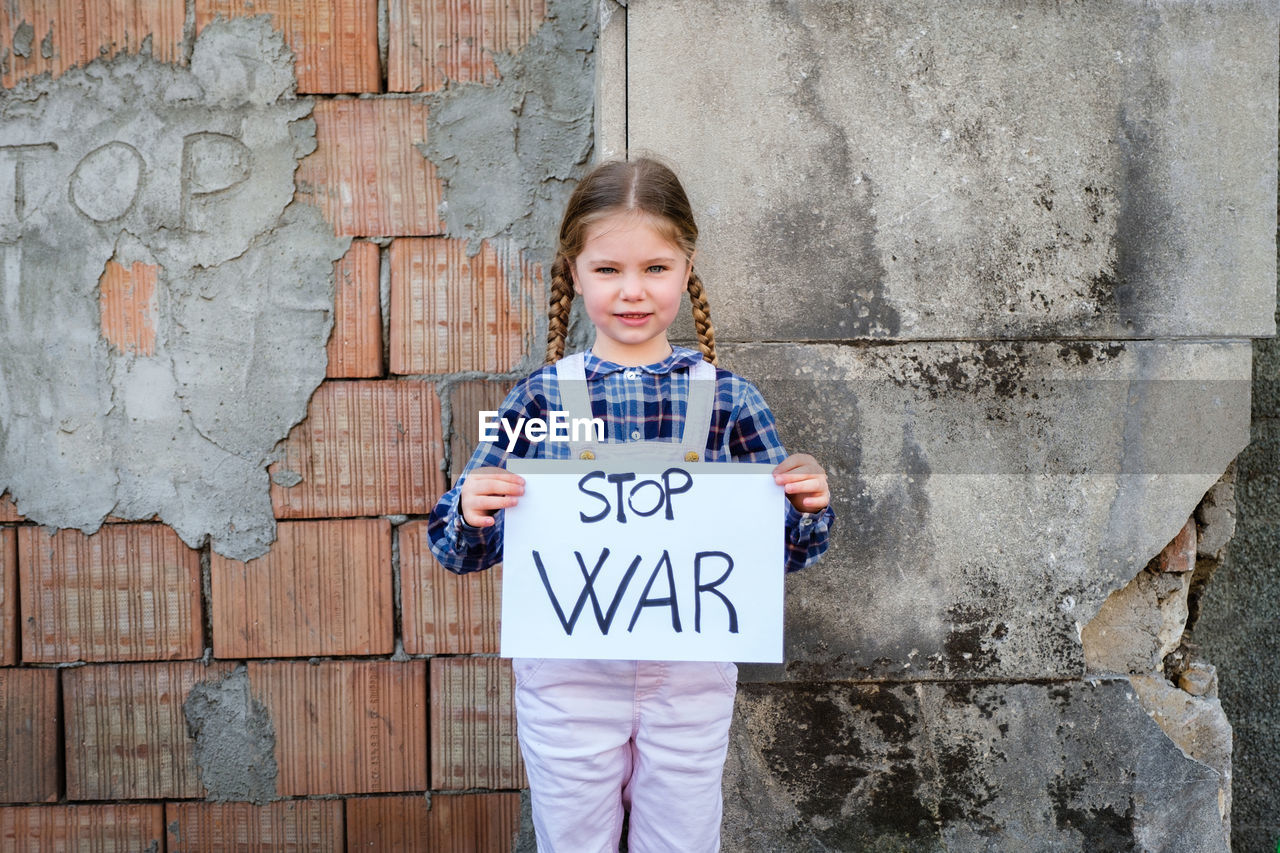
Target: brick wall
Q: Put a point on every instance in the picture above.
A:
(376, 669)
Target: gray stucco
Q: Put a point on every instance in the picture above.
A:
(191, 169)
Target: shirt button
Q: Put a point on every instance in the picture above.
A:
(635, 435)
(631, 374)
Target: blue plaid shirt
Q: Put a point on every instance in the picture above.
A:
(636, 403)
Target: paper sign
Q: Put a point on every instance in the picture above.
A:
(644, 561)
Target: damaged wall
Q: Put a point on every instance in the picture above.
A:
(253, 258)
(1234, 617)
(183, 174)
(1025, 247)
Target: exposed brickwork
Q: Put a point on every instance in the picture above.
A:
(359, 737)
(473, 725)
(66, 33)
(297, 825)
(324, 589)
(109, 828)
(8, 512)
(448, 823)
(335, 43)
(127, 301)
(366, 448)
(451, 313)
(126, 735)
(466, 401)
(434, 41)
(128, 592)
(346, 727)
(10, 644)
(1180, 554)
(367, 174)
(29, 715)
(446, 613)
(355, 349)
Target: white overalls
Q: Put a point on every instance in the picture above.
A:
(598, 734)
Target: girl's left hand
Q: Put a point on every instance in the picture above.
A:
(804, 481)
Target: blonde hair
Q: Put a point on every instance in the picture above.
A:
(642, 186)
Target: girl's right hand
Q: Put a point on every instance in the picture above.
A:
(487, 490)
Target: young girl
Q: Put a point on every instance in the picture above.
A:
(596, 735)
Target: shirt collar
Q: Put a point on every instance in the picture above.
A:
(681, 357)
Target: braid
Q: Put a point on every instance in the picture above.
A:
(558, 310)
(702, 318)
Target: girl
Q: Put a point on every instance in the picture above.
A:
(598, 736)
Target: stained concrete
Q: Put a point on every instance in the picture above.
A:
(1237, 622)
(235, 740)
(191, 169)
(1037, 238)
(946, 170)
(989, 495)
(1073, 766)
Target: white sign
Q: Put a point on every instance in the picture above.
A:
(644, 561)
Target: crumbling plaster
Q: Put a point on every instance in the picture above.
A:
(189, 169)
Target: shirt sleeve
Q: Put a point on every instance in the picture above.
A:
(753, 437)
(458, 546)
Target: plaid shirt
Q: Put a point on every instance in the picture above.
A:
(636, 403)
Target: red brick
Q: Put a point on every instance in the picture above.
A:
(128, 592)
(78, 32)
(444, 613)
(367, 174)
(335, 42)
(366, 448)
(29, 767)
(127, 304)
(345, 727)
(355, 349)
(473, 725)
(295, 825)
(8, 511)
(1180, 554)
(451, 313)
(466, 401)
(323, 589)
(126, 734)
(437, 40)
(122, 828)
(447, 823)
(9, 641)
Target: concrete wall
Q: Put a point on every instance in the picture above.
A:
(997, 265)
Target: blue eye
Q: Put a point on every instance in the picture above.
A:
(657, 268)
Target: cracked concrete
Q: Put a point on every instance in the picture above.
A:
(191, 170)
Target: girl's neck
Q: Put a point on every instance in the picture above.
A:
(633, 357)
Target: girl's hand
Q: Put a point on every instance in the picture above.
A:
(804, 481)
(487, 490)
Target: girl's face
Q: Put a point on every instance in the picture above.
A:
(631, 279)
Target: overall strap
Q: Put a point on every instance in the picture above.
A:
(697, 414)
(571, 376)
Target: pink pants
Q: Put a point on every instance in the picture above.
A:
(597, 735)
